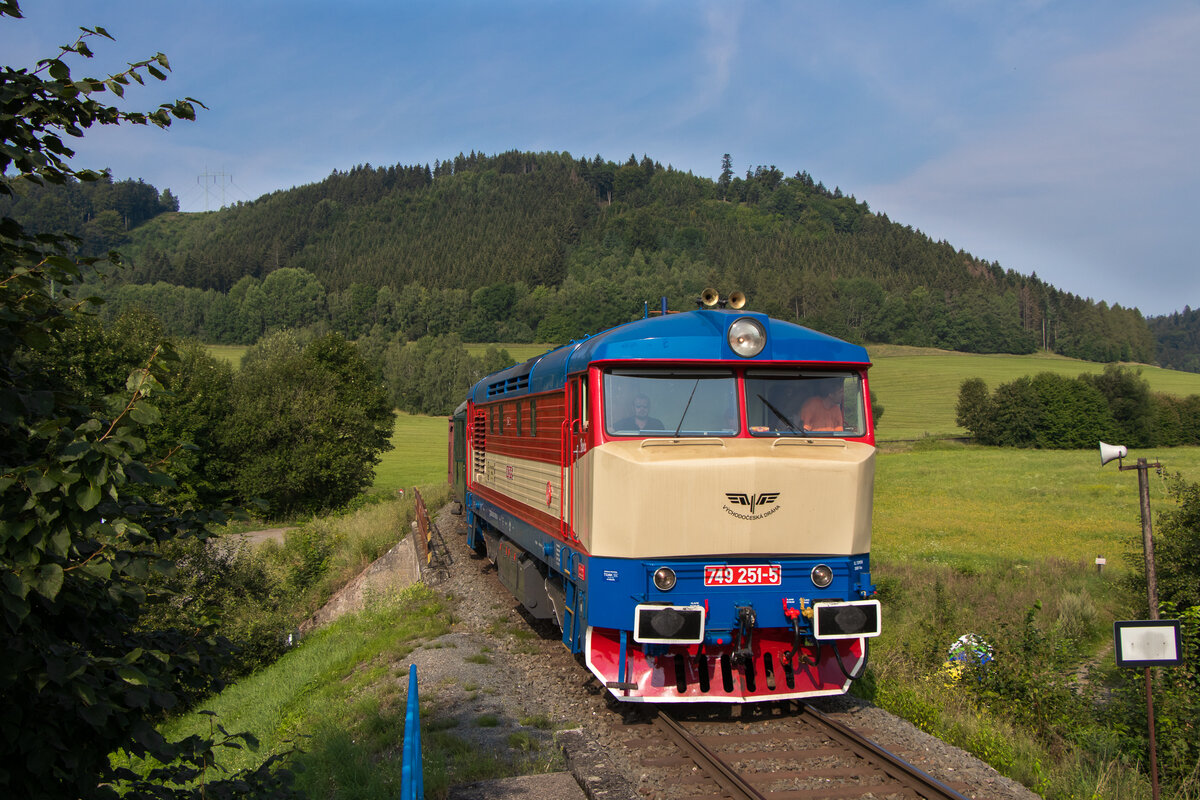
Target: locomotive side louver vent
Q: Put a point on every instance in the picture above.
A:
(479, 444)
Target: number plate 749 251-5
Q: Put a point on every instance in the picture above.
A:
(742, 575)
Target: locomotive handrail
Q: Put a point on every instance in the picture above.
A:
(681, 442)
(570, 503)
(564, 446)
(809, 443)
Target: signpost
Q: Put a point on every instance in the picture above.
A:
(1145, 643)
(1148, 643)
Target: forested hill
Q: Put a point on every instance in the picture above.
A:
(1178, 337)
(545, 247)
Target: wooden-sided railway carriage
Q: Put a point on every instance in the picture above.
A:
(655, 490)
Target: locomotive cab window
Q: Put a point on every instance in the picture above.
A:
(644, 402)
(805, 403)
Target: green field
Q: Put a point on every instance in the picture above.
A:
(418, 455)
(918, 387)
(955, 504)
(984, 505)
(519, 352)
(228, 352)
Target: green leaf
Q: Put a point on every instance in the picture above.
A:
(136, 380)
(85, 693)
(60, 542)
(87, 497)
(14, 585)
(59, 71)
(138, 568)
(49, 580)
(132, 675)
(145, 414)
(38, 483)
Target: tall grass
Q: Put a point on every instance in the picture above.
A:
(1036, 740)
(1002, 543)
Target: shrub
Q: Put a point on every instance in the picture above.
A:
(306, 424)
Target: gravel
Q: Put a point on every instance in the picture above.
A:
(506, 684)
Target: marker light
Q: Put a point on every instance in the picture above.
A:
(664, 579)
(821, 576)
(747, 337)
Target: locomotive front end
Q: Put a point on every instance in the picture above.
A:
(727, 514)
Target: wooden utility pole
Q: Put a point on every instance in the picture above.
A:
(1151, 597)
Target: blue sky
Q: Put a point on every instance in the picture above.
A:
(1053, 137)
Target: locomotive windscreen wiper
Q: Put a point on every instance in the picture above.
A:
(781, 416)
(683, 416)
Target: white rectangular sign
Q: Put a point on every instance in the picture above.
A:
(1147, 643)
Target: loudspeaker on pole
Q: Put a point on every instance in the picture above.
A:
(1111, 452)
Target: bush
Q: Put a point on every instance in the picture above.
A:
(306, 424)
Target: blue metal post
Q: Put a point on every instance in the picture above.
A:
(412, 777)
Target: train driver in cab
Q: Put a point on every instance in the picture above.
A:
(641, 419)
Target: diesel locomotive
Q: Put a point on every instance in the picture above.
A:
(688, 496)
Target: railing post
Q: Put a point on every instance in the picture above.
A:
(412, 777)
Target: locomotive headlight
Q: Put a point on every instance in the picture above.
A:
(747, 337)
(664, 579)
(821, 576)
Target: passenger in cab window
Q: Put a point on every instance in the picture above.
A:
(823, 411)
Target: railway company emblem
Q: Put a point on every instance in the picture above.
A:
(751, 502)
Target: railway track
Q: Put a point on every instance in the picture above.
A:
(796, 754)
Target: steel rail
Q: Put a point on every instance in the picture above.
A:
(721, 772)
(910, 776)
(734, 784)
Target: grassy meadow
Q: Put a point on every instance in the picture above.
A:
(228, 352)
(966, 505)
(519, 352)
(918, 387)
(418, 455)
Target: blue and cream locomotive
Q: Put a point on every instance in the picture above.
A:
(689, 497)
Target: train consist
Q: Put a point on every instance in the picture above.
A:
(689, 497)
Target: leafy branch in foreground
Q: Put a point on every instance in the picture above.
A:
(79, 678)
(41, 105)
